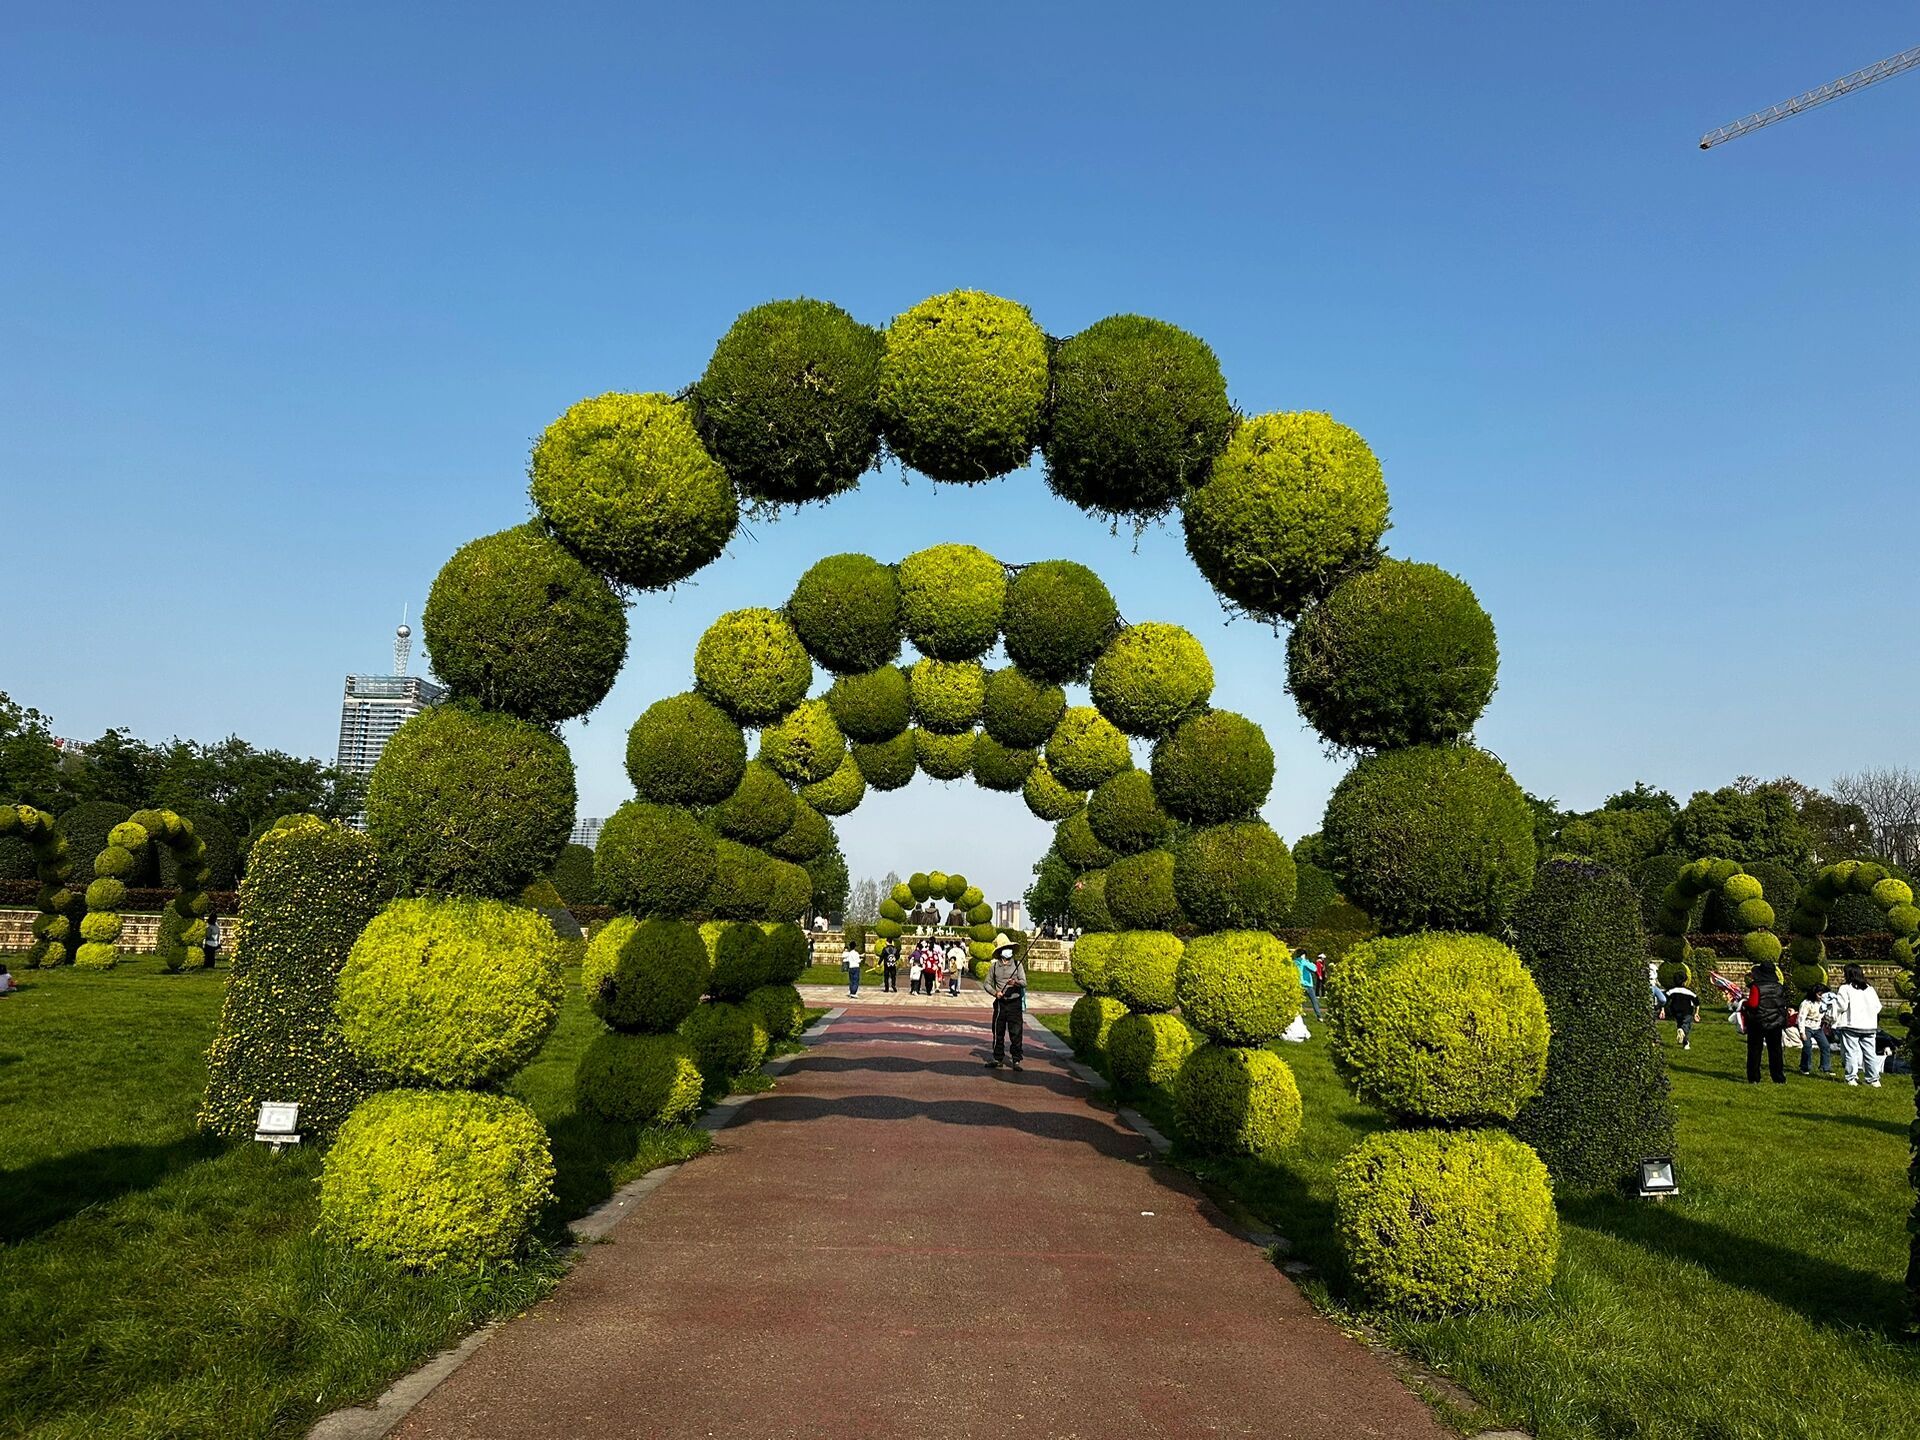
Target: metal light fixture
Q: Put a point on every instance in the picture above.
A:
(278, 1125)
(1657, 1180)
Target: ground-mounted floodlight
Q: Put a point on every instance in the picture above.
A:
(278, 1125)
(1657, 1180)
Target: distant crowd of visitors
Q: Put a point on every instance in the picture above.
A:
(1845, 1017)
(932, 965)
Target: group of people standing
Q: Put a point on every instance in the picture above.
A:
(1846, 1016)
(931, 965)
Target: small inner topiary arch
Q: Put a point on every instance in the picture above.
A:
(52, 865)
(1807, 924)
(1740, 892)
(937, 886)
(184, 929)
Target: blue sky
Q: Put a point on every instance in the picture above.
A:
(285, 293)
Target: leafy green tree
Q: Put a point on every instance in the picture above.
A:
(30, 770)
(1760, 824)
(1051, 891)
(1618, 839)
(1643, 798)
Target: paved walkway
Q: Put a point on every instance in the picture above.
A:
(897, 1242)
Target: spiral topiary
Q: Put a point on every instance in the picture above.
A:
(846, 611)
(1401, 654)
(1237, 876)
(874, 706)
(436, 1179)
(1434, 1221)
(760, 808)
(639, 1079)
(809, 836)
(788, 403)
(752, 664)
(1234, 1100)
(450, 992)
(1431, 837)
(1089, 1022)
(1440, 1027)
(1092, 957)
(654, 860)
(1059, 617)
(516, 623)
(685, 750)
(1141, 969)
(997, 767)
(1139, 411)
(726, 1040)
(1140, 892)
(952, 597)
(947, 694)
(1086, 749)
(944, 757)
(474, 802)
(963, 385)
(888, 764)
(1087, 905)
(1147, 1051)
(1020, 711)
(743, 882)
(645, 975)
(1151, 678)
(625, 483)
(1074, 842)
(805, 745)
(1213, 768)
(1240, 987)
(1293, 503)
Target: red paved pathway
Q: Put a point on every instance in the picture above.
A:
(898, 1242)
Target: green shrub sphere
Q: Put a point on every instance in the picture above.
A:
(873, 706)
(805, 745)
(436, 1180)
(996, 767)
(1139, 411)
(1240, 987)
(846, 611)
(742, 959)
(752, 664)
(1235, 1100)
(1237, 876)
(516, 623)
(760, 808)
(1141, 969)
(1074, 842)
(654, 860)
(450, 992)
(1436, 1221)
(1087, 905)
(947, 694)
(1089, 1021)
(963, 386)
(1147, 1051)
(1440, 1027)
(1434, 837)
(839, 794)
(726, 1040)
(788, 403)
(1092, 957)
(685, 750)
(474, 802)
(1059, 617)
(639, 1079)
(780, 1010)
(888, 764)
(1294, 501)
(1020, 711)
(1213, 768)
(1046, 797)
(1401, 654)
(645, 975)
(807, 838)
(787, 952)
(790, 892)
(944, 757)
(625, 483)
(1151, 678)
(743, 882)
(952, 597)
(1140, 892)
(1086, 749)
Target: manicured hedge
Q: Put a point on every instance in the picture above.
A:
(781, 1011)
(998, 767)
(1235, 1100)
(1092, 955)
(804, 746)
(1151, 678)
(841, 792)
(639, 1079)
(1087, 906)
(1240, 987)
(759, 809)
(752, 664)
(1237, 876)
(846, 611)
(1140, 892)
(1019, 710)
(573, 876)
(743, 882)
(685, 750)
(1214, 767)
(1141, 968)
(1074, 842)
(951, 597)
(654, 860)
(873, 706)
(889, 764)
(810, 835)
(1086, 749)
(1125, 816)
(947, 694)
(944, 757)
(1146, 1051)
(645, 976)
(963, 384)
(1089, 1022)
(1059, 617)
(726, 1040)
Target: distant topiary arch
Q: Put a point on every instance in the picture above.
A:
(1743, 896)
(939, 886)
(183, 928)
(1807, 924)
(52, 865)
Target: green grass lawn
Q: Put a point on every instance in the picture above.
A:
(1762, 1303)
(155, 1283)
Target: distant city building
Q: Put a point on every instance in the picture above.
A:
(373, 707)
(586, 831)
(1006, 914)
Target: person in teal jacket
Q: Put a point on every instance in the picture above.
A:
(1308, 976)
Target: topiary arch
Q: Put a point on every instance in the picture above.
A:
(1743, 897)
(183, 927)
(938, 885)
(52, 927)
(1807, 924)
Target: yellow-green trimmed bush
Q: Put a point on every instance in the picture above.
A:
(1087, 906)
(846, 611)
(1086, 749)
(963, 385)
(788, 954)
(1436, 1221)
(1059, 617)
(788, 403)
(887, 764)
(50, 852)
(947, 694)
(654, 860)
(1020, 711)
(685, 750)
(645, 975)
(639, 1079)
(944, 757)
(997, 767)
(515, 622)
(1213, 768)
(1437, 1026)
(759, 809)
(1151, 678)
(1238, 988)
(1125, 815)
(1294, 502)
(805, 745)
(1147, 1051)
(1141, 968)
(1074, 842)
(1235, 1100)
(450, 992)
(782, 1013)
(810, 835)
(1089, 1021)
(873, 706)
(1046, 797)
(839, 794)
(1139, 411)
(743, 882)
(742, 960)
(1140, 892)
(727, 1040)
(432, 1179)
(1237, 876)
(752, 665)
(952, 597)
(1435, 837)
(471, 802)
(626, 484)
(1092, 958)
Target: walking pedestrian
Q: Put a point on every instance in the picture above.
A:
(1767, 1016)
(850, 958)
(890, 968)
(914, 967)
(1813, 1032)
(953, 975)
(1683, 1008)
(1859, 1011)
(1309, 982)
(1007, 984)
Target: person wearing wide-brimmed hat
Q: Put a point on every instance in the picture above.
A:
(1007, 983)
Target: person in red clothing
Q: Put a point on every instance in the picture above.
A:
(1767, 1015)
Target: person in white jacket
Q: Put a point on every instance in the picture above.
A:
(1859, 1019)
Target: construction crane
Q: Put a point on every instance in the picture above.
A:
(1845, 85)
